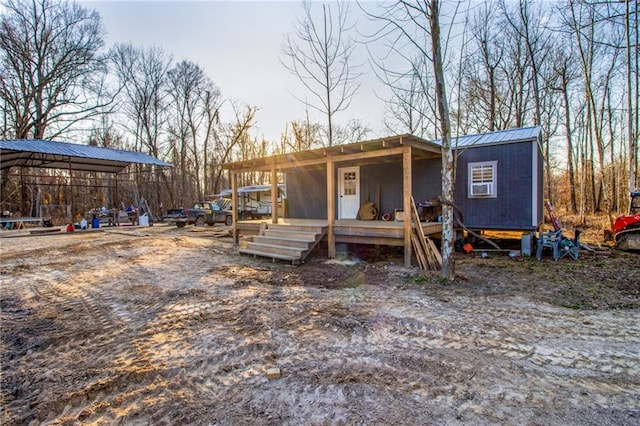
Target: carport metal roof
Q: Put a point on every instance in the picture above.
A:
(69, 156)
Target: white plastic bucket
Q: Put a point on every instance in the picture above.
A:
(143, 220)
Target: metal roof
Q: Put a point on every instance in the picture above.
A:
(493, 138)
(250, 189)
(69, 156)
(371, 150)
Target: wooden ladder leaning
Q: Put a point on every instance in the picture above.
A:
(143, 207)
(429, 258)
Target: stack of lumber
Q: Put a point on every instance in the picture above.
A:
(429, 258)
(216, 233)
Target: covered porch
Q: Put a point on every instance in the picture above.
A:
(348, 230)
(402, 150)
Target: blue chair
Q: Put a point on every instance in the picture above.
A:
(551, 240)
(569, 247)
(560, 245)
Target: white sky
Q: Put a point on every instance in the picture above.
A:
(238, 43)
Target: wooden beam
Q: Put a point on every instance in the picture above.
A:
(379, 241)
(331, 209)
(274, 193)
(293, 163)
(406, 196)
(369, 154)
(234, 207)
(426, 252)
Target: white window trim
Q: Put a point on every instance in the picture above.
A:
(493, 187)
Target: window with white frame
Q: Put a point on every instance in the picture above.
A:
(482, 179)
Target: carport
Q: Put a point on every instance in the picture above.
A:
(47, 154)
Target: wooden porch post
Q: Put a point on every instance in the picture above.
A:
(331, 209)
(406, 195)
(274, 193)
(234, 206)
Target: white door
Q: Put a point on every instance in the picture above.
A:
(349, 192)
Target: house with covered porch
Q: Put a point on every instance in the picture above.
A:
(498, 186)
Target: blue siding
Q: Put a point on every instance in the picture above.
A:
(426, 182)
(307, 190)
(389, 177)
(515, 206)
(512, 208)
(307, 194)
(427, 179)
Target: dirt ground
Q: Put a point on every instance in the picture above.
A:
(161, 325)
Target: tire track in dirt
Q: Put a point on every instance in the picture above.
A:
(140, 338)
(84, 321)
(536, 339)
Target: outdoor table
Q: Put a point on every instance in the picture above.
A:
(18, 222)
(110, 216)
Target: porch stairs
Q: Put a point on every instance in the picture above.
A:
(292, 243)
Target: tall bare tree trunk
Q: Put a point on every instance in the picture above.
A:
(567, 124)
(448, 267)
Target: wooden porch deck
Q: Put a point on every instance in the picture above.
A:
(375, 232)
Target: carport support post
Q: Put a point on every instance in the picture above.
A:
(234, 206)
(274, 193)
(406, 195)
(331, 210)
(116, 199)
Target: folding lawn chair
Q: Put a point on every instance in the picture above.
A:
(560, 245)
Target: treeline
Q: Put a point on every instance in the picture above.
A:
(570, 66)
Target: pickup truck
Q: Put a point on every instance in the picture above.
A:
(203, 212)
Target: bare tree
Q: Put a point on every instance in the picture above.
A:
(352, 131)
(416, 24)
(565, 68)
(304, 135)
(483, 74)
(51, 69)
(142, 74)
(582, 20)
(411, 108)
(631, 28)
(321, 55)
(527, 25)
(433, 14)
(229, 139)
(195, 101)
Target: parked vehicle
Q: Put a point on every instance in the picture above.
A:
(203, 212)
(254, 202)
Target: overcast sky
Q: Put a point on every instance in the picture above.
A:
(238, 43)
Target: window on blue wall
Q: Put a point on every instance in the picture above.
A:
(482, 179)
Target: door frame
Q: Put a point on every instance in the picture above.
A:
(342, 170)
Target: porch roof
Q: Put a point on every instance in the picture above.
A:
(366, 151)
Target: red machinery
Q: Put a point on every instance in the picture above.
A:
(626, 228)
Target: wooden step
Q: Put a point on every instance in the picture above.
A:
(275, 249)
(293, 235)
(294, 260)
(298, 228)
(281, 241)
(285, 242)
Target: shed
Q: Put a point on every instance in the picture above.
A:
(499, 179)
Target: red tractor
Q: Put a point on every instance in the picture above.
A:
(626, 228)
